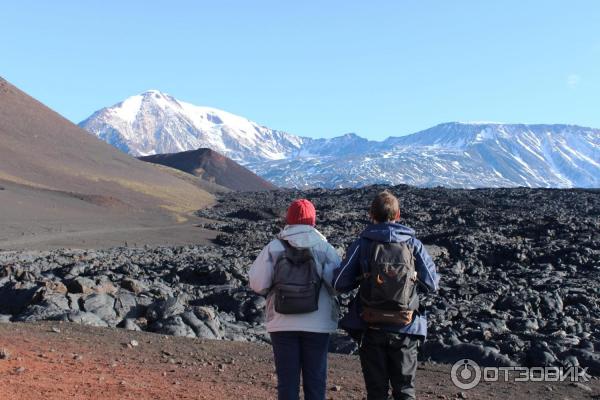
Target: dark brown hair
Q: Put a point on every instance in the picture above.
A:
(385, 207)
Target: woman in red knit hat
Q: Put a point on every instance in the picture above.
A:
(294, 271)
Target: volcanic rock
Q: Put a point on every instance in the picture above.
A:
(518, 277)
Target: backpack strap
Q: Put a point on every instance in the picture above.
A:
(365, 256)
(285, 243)
(287, 246)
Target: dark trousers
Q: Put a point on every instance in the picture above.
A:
(389, 358)
(300, 353)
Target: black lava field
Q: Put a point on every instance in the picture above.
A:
(520, 273)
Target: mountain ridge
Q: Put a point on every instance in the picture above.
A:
(453, 154)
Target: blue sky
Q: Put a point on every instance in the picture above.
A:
(315, 68)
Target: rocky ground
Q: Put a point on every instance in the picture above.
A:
(520, 271)
(57, 360)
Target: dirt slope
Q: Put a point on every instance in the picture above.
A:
(59, 361)
(55, 174)
(213, 167)
(41, 149)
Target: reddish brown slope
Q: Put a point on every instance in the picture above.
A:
(41, 149)
(213, 167)
(56, 176)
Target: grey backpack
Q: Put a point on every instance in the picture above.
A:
(296, 281)
(388, 287)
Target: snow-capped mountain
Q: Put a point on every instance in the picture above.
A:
(526, 155)
(481, 154)
(455, 155)
(156, 123)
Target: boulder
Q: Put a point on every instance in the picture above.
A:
(130, 324)
(102, 305)
(173, 325)
(81, 285)
(201, 329)
(163, 309)
(482, 355)
(84, 318)
(126, 305)
(134, 285)
(16, 296)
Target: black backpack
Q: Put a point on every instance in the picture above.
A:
(296, 281)
(388, 287)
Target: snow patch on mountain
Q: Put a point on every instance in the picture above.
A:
(456, 154)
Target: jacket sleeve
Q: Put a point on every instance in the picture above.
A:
(345, 276)
(332, 261)
(261, 271)
(426, 270)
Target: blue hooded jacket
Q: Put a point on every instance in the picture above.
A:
(347, 276)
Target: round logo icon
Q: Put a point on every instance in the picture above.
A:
(466, 374)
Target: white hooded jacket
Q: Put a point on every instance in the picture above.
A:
(325, 319)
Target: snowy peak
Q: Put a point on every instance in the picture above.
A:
(344, 145)
(129, 109)
(154, 122)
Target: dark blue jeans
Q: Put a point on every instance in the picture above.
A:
(300, 352)
(389, 358)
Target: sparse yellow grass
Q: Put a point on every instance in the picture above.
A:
(179, 196)
(182, 198)
(177, 213)
(15, 179)
(185, 195)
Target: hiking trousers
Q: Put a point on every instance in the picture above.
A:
(300, 353)
(389, 358)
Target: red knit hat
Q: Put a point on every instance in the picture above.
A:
(301, 212)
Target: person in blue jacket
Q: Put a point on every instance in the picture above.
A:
(388, 353)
